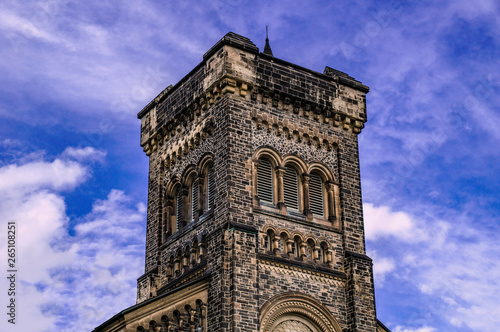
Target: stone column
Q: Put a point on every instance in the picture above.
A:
(196, 213)
(194, 258)
(337, 206)
(280, 171)
(330, 189)
(305, 190)
(303, 249)
(329, 257)
(289, 244)
(169, 211)
(185, 261)
(177, 268)
(169, 270)
(256, 201)
(201, 250)
(184, 191)
(276, 244)
(315, 253)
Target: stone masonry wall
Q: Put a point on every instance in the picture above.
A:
(238, 101)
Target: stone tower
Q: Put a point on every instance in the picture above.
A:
(255, 219)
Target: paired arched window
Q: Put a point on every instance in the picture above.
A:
(190, 198)
(293, 190)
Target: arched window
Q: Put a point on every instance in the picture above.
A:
(194, 200)
(291, 188)
(316, 195)
(194, 252)
(323, 254)
(294, 248)
(265, 181)
(178, 209)
(310, 246)
(297, 243)
(267, 242)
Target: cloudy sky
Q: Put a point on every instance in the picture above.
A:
(73, 177)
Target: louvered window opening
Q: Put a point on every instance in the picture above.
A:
(194, 200)
(211, 189)
(316, 195)
(178, 210)
(291, 188)
(265, 181)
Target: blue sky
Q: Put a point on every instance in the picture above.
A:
(74, 178)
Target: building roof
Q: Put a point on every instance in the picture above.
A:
(245, 44)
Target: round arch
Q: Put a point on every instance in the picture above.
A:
(300, 309)
(189, 174)
(172, 186)
(205, 162)
(295, 162)
(270, 153)
(323, 171)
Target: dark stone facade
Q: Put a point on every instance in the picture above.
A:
(235, 104)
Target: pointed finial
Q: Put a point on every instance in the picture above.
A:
(267, 48)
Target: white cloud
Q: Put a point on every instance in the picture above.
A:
(68, 283)
(381, 266)
(87, 153)
(420, 329)
(55, 175)
(381, 222)
(454, 265)
(12, 23)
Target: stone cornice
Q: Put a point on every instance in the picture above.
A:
(230, 85)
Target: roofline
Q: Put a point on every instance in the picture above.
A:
(153, 299)
(225, 41)
(344, 80)
(383, 326)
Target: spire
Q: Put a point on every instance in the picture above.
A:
(267, 48)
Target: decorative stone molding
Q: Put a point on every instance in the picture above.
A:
(187, 314)
(182, 145)
(297, 304)
(292, 131)
(300, 273)
(336, 117)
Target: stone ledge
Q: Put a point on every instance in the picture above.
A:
(357, 255)
(297, 220)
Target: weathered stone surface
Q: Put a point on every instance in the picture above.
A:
(233, 106)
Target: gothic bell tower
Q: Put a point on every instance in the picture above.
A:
(255, 219)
